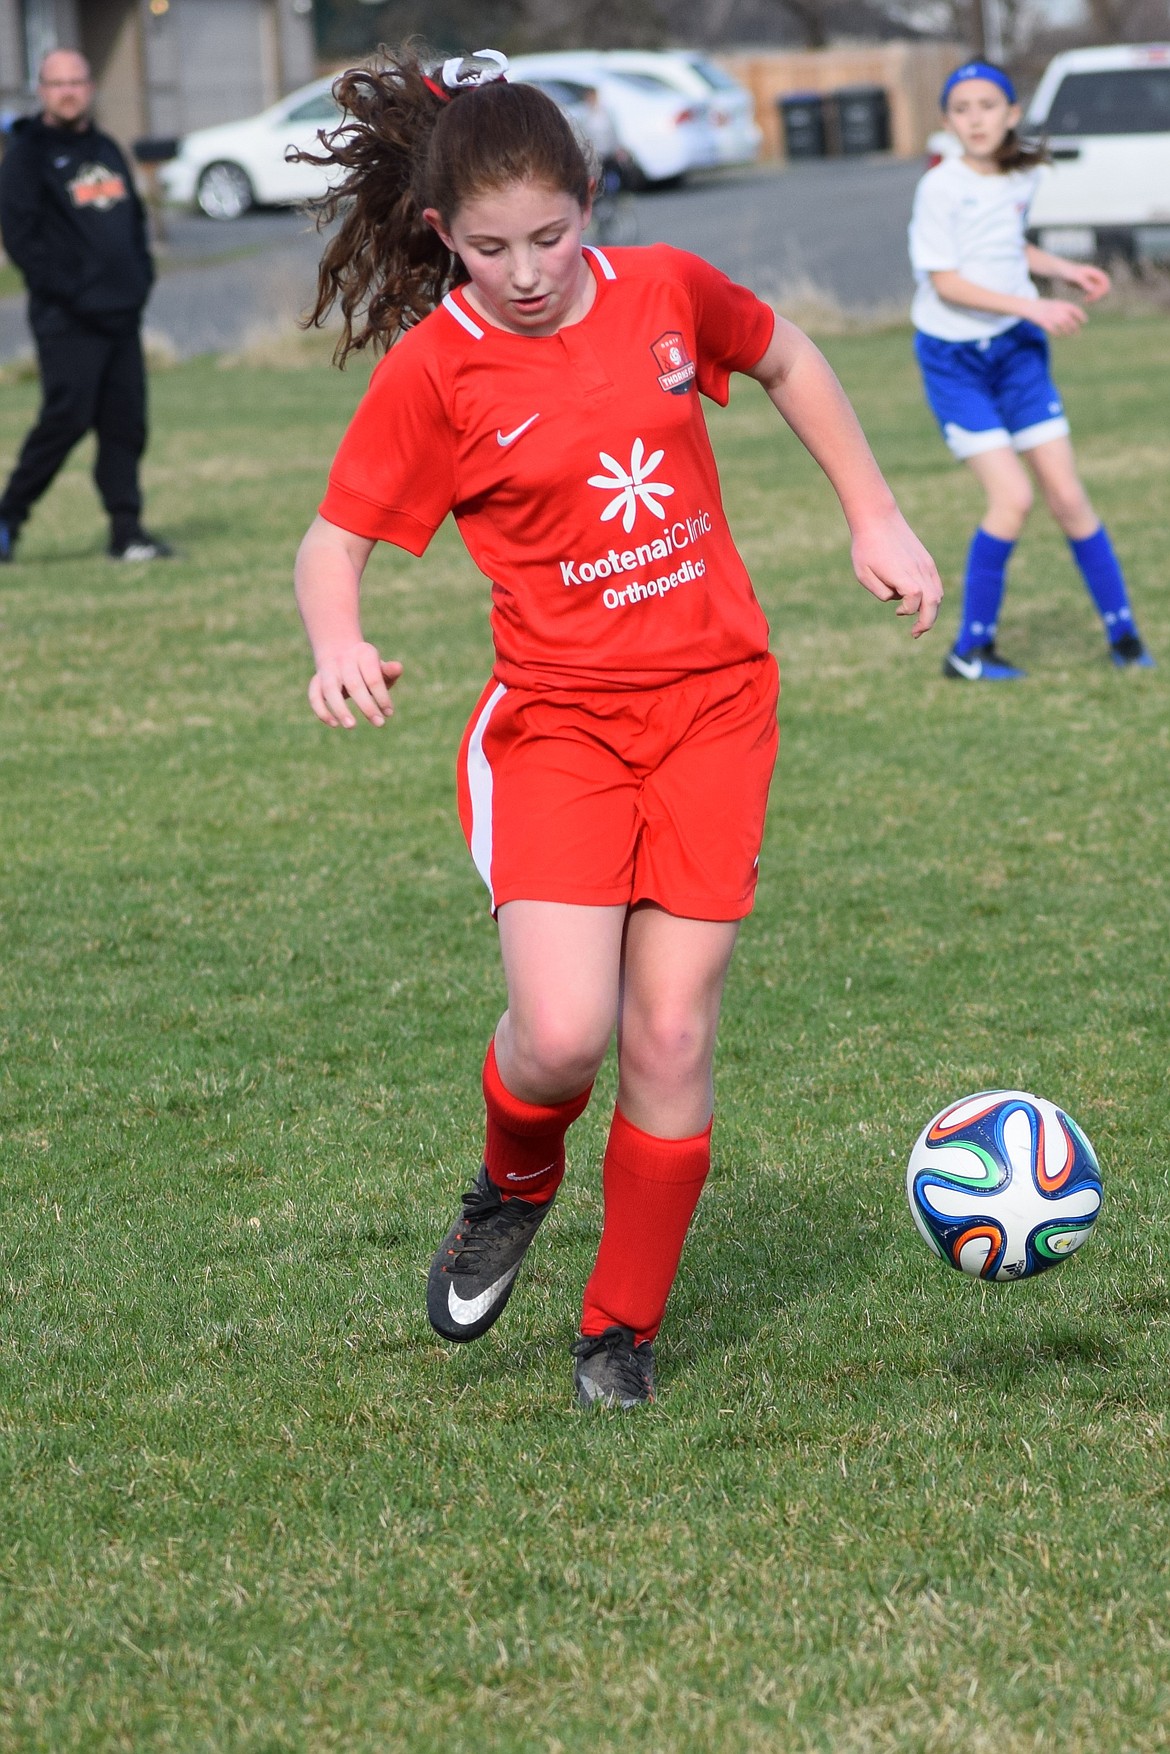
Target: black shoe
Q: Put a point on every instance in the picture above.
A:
(984, 664)
(7, 543)
(613, 1369)
(1128, 653)
(139, 545)
(476, 1263)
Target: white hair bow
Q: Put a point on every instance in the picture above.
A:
(482, 68)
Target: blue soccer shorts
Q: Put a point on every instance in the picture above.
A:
(994, 394)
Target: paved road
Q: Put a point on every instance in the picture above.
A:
(838, 226)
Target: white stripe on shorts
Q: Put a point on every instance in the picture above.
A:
(1029, 437)
(962, 443)
(479, 785)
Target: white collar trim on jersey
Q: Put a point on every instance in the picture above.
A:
(603, 262)
(461, 316)
(451, 304)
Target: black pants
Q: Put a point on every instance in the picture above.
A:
(90, 382)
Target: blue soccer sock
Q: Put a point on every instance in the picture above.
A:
(1103, 579)
(983, 588)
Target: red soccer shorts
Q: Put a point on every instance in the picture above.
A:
(614, 797)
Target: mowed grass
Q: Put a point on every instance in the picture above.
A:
(249, 1501)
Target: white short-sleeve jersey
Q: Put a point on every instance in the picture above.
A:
(973, 225)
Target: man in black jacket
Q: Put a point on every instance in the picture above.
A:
(72, 222)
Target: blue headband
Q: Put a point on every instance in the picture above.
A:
(978, 70)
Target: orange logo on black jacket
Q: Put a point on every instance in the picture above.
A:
(96, 186)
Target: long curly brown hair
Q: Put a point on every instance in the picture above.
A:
(1016, 154)
(403, 147)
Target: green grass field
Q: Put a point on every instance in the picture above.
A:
(249, 1501)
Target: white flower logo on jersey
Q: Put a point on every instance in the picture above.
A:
(632, 485)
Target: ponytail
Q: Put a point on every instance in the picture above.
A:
(1015, 154)
(410, 140)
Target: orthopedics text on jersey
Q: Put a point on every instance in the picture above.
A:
(681, 534)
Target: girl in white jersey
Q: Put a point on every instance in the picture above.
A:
(981, 342)
(614, 773)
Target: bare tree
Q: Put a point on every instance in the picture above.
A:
(355, 27)
(817, 21)
(720, 23)
(591, 24)
(1128, 20)
(813, 19)
(967, 20)
(1106, 16)
(1028, 28)
(346, 27)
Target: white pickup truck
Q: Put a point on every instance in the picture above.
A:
(1105, 115)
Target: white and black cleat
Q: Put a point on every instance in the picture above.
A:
(613, 1369)
(138, 545)
(476, 1264)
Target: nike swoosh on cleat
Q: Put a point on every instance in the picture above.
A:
(466, 1310)
(507, 438)
(971, 668)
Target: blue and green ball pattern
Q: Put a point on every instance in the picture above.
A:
(1003, 1185)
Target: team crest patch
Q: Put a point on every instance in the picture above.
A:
(95, 185)
(676, 368)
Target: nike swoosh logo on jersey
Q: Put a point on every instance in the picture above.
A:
(509, 438)
(466, 1310)
(971, 668)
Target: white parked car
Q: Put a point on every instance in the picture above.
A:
(692, 75)
(237, 165)
(584, 108)
(661, 133)
(1105, 114)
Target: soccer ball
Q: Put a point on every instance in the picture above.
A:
(1003, 1185)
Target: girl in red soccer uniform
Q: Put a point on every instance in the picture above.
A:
(614, 773)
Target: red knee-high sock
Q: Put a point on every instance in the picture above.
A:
(652, 1187)
(525, 1146)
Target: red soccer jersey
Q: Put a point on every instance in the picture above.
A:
(579, 470)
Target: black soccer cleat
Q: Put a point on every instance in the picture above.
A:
(476, 1263)
(7, 542)
(613, 1369)
(1128, 653)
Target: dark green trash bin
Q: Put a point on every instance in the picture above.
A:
(859, 120)
(802, 114)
